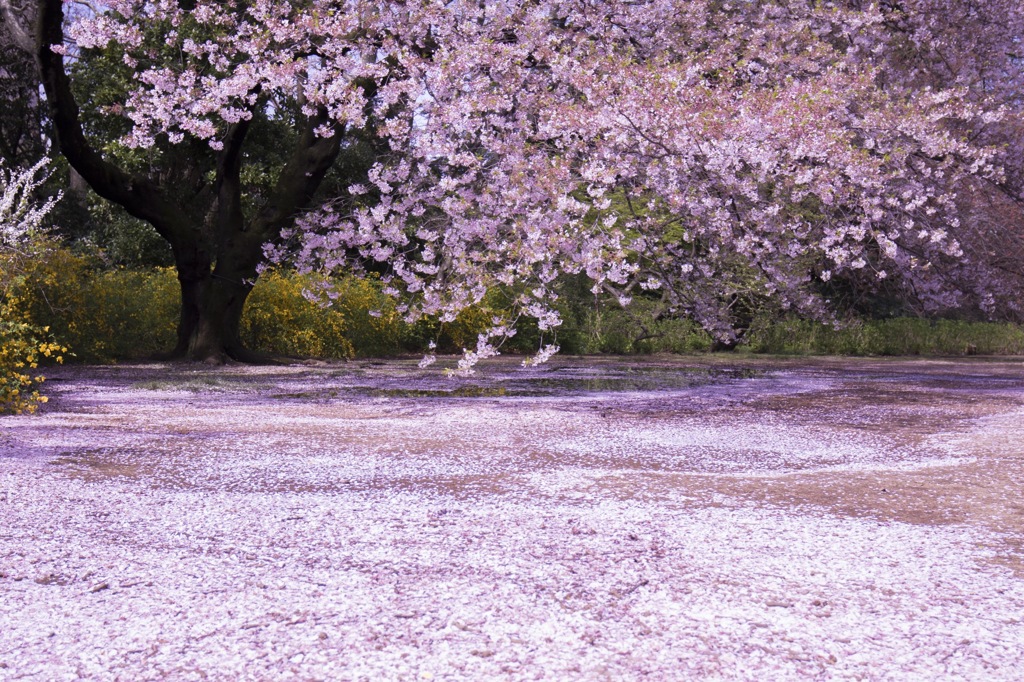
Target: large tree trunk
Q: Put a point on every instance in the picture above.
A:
(216, 260)
(212, 303)
(210, 329)
(193, 269)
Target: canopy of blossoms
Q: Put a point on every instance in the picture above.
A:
(695, 148)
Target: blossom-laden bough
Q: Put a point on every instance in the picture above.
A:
(22, 215)
(705, 150)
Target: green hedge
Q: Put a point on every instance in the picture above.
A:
(897, 336)
(106, 315)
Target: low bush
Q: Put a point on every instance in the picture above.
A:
(108, 315)
(23, 347)
(634, 330)
(897, 336)
(280, 319)
(104, 315)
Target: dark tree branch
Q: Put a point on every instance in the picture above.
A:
(299, 179)
(228, 186)
(20, 37)
(139, 196)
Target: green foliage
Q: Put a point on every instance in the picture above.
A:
(457, 335)
(104, 315)
(373, 326)
(377, 329)
(618, 331)
(898, 336)
(634, 330)
(125, 241)
(107, 315)
(595, 324)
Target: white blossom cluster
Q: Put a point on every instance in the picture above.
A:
(21, 213)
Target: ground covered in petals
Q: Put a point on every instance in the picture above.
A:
(589, 519)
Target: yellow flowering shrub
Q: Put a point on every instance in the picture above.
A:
(22, 348)
(103, 314)
(279, 319)
(372, 325)
(376, 328)
(110, 315)
(24, 343)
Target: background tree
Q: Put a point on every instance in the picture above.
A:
(21, 130)
(193, 195)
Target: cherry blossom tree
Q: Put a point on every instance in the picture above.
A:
(701, 150)
(975, 48)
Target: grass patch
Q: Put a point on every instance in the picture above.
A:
(897, 336)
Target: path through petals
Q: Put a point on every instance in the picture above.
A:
(593, 519)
